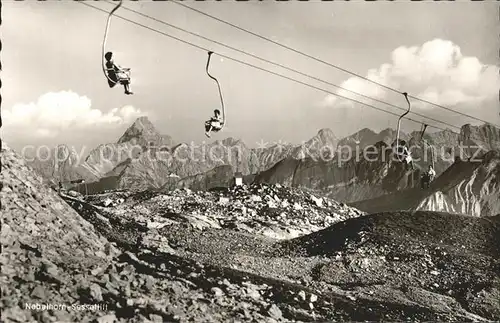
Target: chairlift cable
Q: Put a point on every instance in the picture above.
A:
(325, 62)
(263, 69)
(283, 66)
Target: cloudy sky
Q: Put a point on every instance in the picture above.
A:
(54, 90)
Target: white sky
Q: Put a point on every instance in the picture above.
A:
(54, 91)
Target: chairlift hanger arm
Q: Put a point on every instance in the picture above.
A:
(409, 106)
(220, 92)
(400, 118)
(432, 151)
(424, 127)
(108, 22)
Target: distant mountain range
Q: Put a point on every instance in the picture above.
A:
(143, 158)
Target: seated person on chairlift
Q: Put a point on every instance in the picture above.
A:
(214, 124)
(428, 177)
(431, 173)
(117, 74)
(403, 153)
(408, 159)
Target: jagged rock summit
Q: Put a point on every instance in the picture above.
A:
(322, 145)
(483, 138)
(144, 133)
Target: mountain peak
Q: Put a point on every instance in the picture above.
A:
(324, 138)
(325, 135)
(142, 131)
(325, 132)
(143, 123)
(487, 136)
(363, 134)
(366, 131)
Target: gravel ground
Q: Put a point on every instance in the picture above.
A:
(254, 254)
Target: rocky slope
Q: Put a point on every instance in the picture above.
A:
(46, 246)
(273, 211)
(341, 266)
(444, 266)
(466, 187)
(224, 255)
(221, 176)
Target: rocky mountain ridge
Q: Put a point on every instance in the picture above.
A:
(142, 159)
(377, 173)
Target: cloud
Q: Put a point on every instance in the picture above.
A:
(437, 71)
(55, 112)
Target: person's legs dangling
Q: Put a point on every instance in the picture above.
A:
(125, 81)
